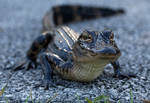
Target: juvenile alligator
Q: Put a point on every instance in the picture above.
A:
(80, 57)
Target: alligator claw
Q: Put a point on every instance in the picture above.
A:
(25, 64)
(29, 64)
(46, 84)
(118, 74)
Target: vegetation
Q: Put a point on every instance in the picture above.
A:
(105, 99)
(3, 90)
(99, 99)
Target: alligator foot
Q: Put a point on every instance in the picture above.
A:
(25, 64)
(118, 72)
(46, 84)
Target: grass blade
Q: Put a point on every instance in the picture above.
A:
(31, 96)
(100, 98)
(50, 99)
(27, 99)
(118, 101)
(3, 89)
(131, 96)
(88, 100)
(6, 100)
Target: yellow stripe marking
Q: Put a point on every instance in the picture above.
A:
(65, 39)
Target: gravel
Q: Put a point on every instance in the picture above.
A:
(20, 24)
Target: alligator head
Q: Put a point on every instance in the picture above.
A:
(95, 45)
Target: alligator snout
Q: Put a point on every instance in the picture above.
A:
(107, 50)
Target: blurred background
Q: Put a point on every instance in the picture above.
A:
(20, 24)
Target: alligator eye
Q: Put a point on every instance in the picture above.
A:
(86, 38)
(111, 36)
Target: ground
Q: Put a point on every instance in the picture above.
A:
(20, 24)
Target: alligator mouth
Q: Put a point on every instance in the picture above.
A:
(107, 53)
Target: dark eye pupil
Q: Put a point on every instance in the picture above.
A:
(87, 37)
(111, 36)
(84, 37)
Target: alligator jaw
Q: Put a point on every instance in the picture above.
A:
(106, 53)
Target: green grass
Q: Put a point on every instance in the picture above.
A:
(50, 99)
(6, 100)
(118, 101)
(131, 96)
(3, 90)
(103, 98)
(99, 99)
(26, 101)
(30, 97)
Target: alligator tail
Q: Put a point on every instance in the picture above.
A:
(65, 14)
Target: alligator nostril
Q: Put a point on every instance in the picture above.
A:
(108, 50)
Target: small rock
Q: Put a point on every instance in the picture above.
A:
(127, 98)
(113, 92)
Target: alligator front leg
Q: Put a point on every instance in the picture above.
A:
(49, 62)
(47, 71)
(117, 70)
(37, 46)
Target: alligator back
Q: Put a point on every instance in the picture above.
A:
(64, 38)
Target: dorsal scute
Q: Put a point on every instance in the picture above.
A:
(65, 38)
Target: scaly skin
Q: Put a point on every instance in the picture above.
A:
(80, 57)
(64, 14)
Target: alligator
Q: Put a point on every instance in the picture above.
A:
(74, 56)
